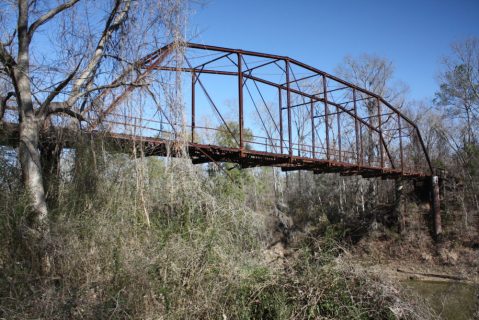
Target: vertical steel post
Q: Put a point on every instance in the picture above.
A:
(312, 131)
(339, 132)
(326, 115)
(193, 83)
(356, 130)
(361, 145)
(280, 120)
(288, 102)
(240, 102)
(400, 143)
(381, 151)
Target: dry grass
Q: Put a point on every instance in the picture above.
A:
(160, 239)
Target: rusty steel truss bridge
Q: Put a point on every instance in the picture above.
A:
(255, 109)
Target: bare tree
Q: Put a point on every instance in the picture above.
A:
(458, 94)
(375, 74)
(56, 57)
(458, 101)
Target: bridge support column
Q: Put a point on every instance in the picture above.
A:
(399, 206)
(436, 208)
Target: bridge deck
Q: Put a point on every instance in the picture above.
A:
(206, 153)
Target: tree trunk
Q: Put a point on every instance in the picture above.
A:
(38, 231)
(50, 152)
(29, 154)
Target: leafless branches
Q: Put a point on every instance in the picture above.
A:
(49, 15)
(116, 18)
(3, 103)
(58, 59)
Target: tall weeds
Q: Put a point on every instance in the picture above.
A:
(186, 246)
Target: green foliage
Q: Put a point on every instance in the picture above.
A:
(471, 154)
(456, 88)
(228, 135)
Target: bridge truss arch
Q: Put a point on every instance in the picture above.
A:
(274, 111)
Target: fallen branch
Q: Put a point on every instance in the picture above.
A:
(434, 275)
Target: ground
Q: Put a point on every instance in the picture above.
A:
(446, 274)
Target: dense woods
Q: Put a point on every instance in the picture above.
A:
(88, 233)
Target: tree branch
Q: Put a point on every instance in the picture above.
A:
(3, 104)
(58, 89)
(49, 15)
(61, 107)
(10, 41)
(107, 87)
(117, 16)
(5, 58)
(49, 107)
(112, 86)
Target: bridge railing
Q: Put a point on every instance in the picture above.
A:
(156, 129)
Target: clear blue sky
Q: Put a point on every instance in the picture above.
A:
(414, 35)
